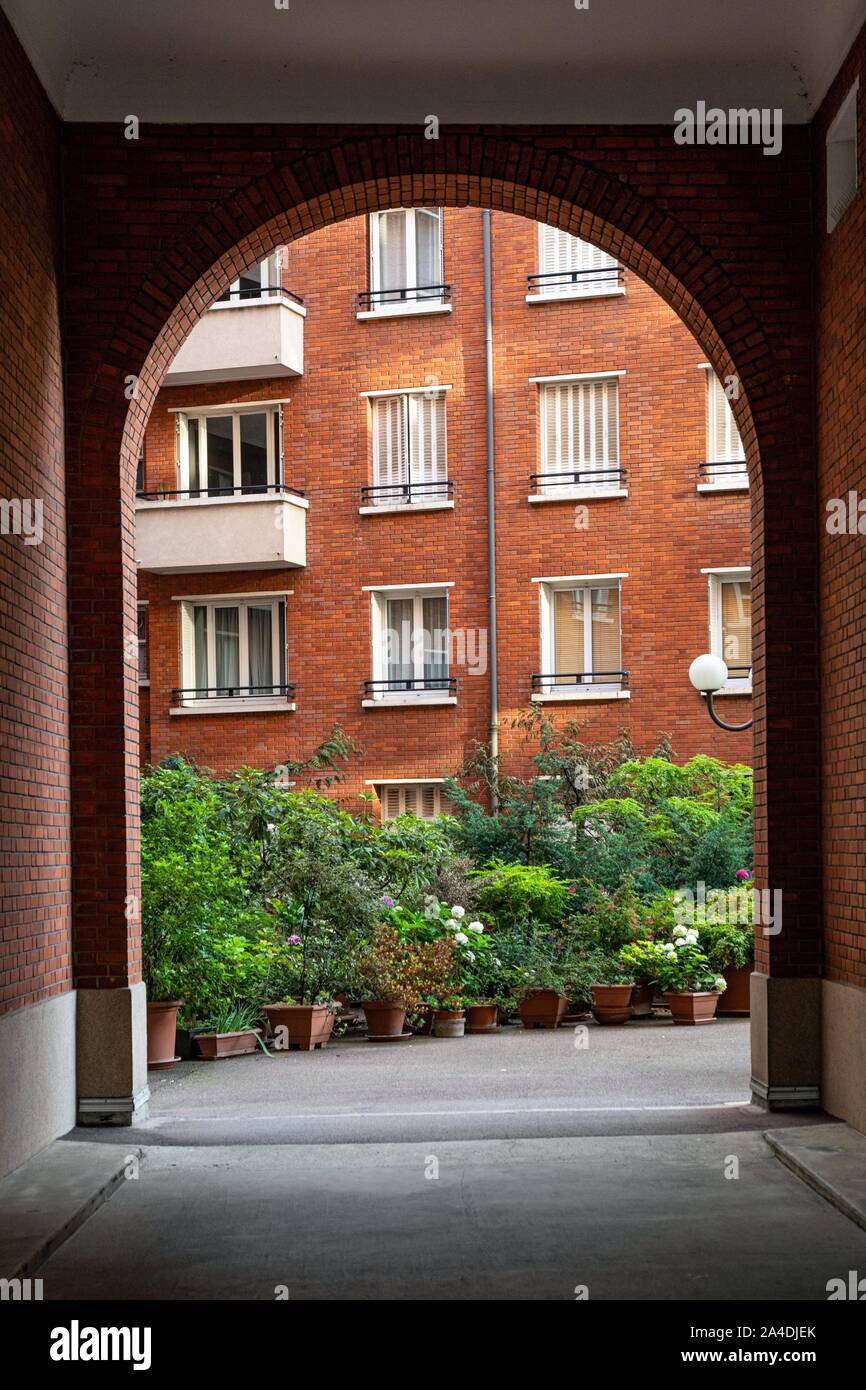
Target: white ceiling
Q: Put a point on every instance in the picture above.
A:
(502, 61)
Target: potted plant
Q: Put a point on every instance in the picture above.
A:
(394, 975)
(690, 988)
(482, 1015)
(611, 993)
(643, 960)
(449, 1016)
(231, 1031)
(730, 950)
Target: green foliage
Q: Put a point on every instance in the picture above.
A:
(515, 893)
(684, 969)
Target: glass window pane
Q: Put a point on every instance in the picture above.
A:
(200, 629)
(737, 627)
(392, 267)
(193, 454)
(427, 248)
(281, 643)
(220, 454)
(142, 644)
(605, 634)
(435, 638)
(568, 648)
(254, 452)
(261, 650)
(251, 283)
(227, 649)
(398, 643)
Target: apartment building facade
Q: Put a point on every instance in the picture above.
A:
(314, 509)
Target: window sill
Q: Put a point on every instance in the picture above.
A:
(578, 494)
(571, 296)
(408, 701)
(391, 508)
(238, 499)
(239, 706)
(742, 690)
(265, 302)
(403, 311)
(730, 485)
(576, 696)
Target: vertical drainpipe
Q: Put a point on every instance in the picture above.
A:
(491, 508)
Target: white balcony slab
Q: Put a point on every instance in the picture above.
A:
(241, 342)
(207, 535)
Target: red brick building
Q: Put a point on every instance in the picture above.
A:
(313, 524)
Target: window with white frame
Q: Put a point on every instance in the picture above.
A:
(143, 675)
(580, 637)
(726, 457)
(233, 649)
(223, 452)
(424, 799)
(261, 281)
(579, 436)
(731, 624)
(842, 172)
(571, 268)
(410, 644)
(410, 449)
(405, 258)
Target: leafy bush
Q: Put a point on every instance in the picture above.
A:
(515, 893)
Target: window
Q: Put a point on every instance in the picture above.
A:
(731, 625)
(233, 650)
(572, 269)
(142, 645)
(405, 258)
(842, 160)
(726, 457)
(410, 646)
(226, 452)
(410, 449)
(259, 282)
(579, 437)
(580, 637)
(424, 799)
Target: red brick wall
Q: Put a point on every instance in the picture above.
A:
(662, 535)
(35, 959)
(841, 422)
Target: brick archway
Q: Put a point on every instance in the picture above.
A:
(190, 208)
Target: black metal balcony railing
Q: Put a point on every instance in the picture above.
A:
(398, 685)
(554, 680)
(582, 477)
(391, 494)
(722, 470)
(603, 276)
(232, 692)
(258, 292)
(245, 490)
(406, 294)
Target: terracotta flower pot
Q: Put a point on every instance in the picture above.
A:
(384, 1020)
(482, 1018)
(213, 1046)
(736, 999)
(692, 1008)
(307, 1026)
(448, 1023)
(161, 1030)
(542, 1008)
(642, 1001)
(611, 1003)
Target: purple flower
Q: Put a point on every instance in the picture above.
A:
(389, 902)
(742, 874)
(293, 940)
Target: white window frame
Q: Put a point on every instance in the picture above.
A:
(595, 287)
(271, 268)
(564, 491)
(384, 786)
(735, 685)
(378, 632)
(722, 451)
(274, 454)
(410, 399)
(279, 660)
(432, 304)
(584, 690)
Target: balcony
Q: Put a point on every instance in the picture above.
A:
(725, 475)
(226, 529)
(583, 483)
(407, 496)
(580, 685)
(590, 283)
(422, 690)
(404, 301)
(242, 340)
(234, 699)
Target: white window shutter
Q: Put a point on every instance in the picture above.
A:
(428, 444)
(389, 444)
(562, 253)
(580, 434)
(723, 437)
(429, 801)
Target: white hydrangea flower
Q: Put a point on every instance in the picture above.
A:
(450, 924)
(431, 913)
(458, 911)
(461, 938)
(431, 898)
(475, 926)
(720, 983)
(679, 931)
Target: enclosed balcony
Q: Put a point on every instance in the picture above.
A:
(243, 339)
(263, 528)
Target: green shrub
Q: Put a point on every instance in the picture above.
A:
(515, 893)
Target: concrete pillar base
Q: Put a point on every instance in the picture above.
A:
(786, 1042)
(112, 1056)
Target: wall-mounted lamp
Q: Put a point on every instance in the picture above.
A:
(709, 674)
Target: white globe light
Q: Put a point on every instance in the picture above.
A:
(708, 673)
